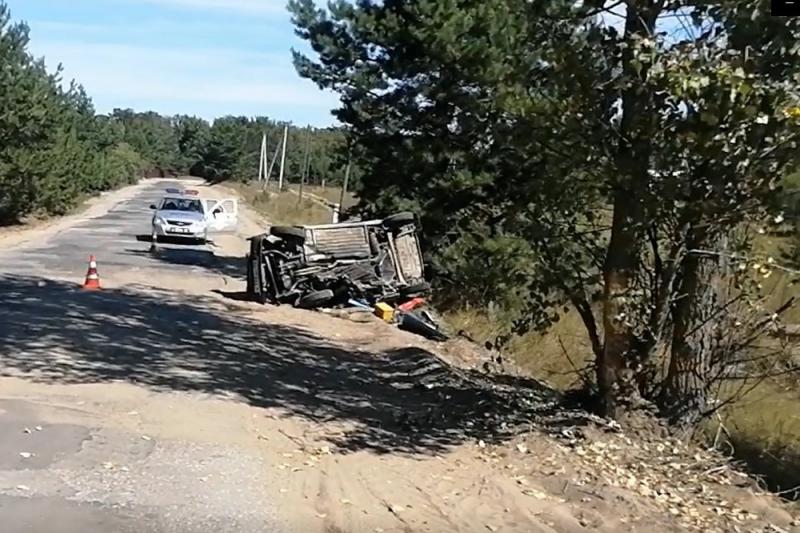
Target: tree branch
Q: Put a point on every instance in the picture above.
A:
(584, 309)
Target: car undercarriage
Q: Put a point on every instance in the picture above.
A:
(333, 264)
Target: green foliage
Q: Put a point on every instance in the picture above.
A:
(555, 158)
(151, 135)
(234, 145)
(55, 150)
(787, 218)
(460, 130)
(193, 135)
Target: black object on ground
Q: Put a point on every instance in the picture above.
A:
(421, 325)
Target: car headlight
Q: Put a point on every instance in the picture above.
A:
(160, 221)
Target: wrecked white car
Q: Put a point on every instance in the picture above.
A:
(331, 264)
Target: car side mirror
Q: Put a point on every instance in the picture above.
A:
(153, 206)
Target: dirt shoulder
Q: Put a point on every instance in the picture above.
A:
(363, 428)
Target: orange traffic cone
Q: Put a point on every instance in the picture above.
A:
(92, 278)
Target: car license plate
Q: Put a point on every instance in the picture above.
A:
(178, 230)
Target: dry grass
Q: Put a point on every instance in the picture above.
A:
(333, 194)
(554, 356)
(283, 207)
(764, 431)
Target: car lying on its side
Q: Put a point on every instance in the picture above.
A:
(183, 215)
(330, 264)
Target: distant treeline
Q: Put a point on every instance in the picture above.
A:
(229, 147)
(55, 149)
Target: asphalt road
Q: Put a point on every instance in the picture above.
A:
(119, 239)
(90, 476)
(72, 478)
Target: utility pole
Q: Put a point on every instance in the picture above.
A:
(344, 189)
(306, 159)
(262, 159)
(269, 171)
(283, 158)
(267, 164)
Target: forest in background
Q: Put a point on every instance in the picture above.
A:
(56, 150)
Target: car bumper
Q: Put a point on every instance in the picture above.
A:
(175, 232)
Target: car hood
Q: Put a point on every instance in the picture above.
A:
(183, 216)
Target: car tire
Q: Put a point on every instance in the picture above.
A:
(288, 233)
(314, 299)
(415, 289)
(399, 219)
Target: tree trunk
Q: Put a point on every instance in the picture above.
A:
(695, 317)
(620, 312)
(622, 259)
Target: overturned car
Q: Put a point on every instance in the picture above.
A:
(332, 264)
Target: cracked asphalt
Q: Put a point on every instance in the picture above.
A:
(72, 465)
(119, 238)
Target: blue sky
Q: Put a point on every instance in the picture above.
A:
(200, 57)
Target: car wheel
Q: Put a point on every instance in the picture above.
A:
(288, 232)
(314, 299)
(399, 219)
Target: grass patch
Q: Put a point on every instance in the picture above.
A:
(283, 207)
(764, 430)
(333, 194)
(553, 356)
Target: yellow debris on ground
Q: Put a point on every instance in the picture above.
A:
(384, 311)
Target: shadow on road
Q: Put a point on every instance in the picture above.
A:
(232, 267)
(399, 401)
(238, 296)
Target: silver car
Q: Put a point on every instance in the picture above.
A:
(179, 217)
(183, 215)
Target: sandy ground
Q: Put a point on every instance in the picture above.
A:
(343, 424)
